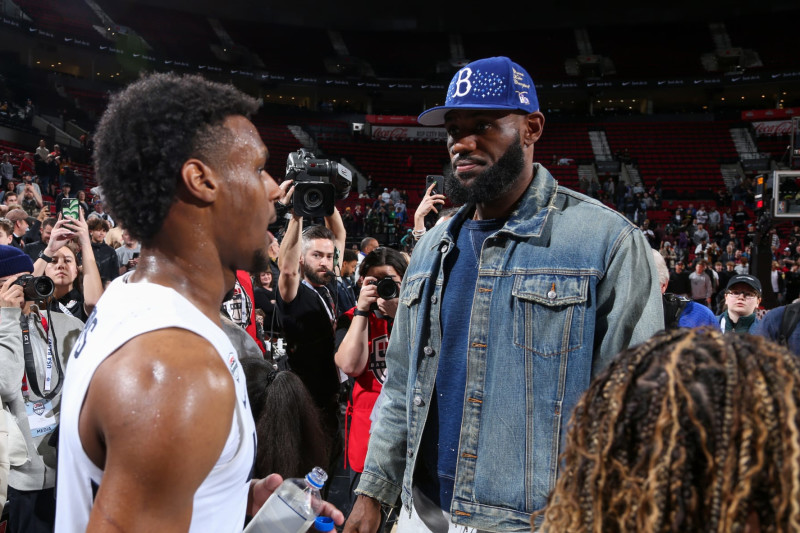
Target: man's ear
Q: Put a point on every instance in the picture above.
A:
(534, 124)
(199, 180)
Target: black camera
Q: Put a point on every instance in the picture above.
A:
(36, 288)
(318, 183)
(387, 288)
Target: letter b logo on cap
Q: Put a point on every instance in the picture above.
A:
(463, 85)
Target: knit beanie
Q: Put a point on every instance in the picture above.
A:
(13, 261)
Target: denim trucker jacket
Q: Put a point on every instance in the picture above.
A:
(562, 287)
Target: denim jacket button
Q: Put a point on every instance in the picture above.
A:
(444, 247)
(410, 452)
(551, 295)
(434, 299)
(418, 401)
(427, 350)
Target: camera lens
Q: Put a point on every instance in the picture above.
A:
(387, 288)
(313, 198)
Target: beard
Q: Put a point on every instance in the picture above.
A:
(260, 261)
(490, 184)
(315, 277)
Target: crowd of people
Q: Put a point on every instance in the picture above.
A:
(490, 376)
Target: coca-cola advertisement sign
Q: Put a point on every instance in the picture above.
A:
(401, 133)
(405, 120)
(773, 127)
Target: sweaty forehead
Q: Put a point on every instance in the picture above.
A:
(246, 135)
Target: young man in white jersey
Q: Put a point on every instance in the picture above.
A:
(158, 434)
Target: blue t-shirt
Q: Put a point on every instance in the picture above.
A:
(439, 446)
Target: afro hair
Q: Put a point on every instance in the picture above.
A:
(149, 130)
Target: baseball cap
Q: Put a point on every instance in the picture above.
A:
(747, 279)
(492, 83)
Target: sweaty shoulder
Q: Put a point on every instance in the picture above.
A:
(169, 384)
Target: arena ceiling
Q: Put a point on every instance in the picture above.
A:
(438, 15)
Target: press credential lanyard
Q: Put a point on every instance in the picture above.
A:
(324, 303)
(30, 364)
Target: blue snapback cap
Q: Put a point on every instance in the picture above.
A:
(491, 83)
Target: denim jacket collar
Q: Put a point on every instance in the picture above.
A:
(528, 220)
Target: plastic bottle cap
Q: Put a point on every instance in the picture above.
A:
(323, 523)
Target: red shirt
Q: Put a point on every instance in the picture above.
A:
(366, 388)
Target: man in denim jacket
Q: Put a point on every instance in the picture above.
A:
(506, 313)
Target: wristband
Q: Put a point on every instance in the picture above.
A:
(359, 312)
(46, 258)
(418, 233)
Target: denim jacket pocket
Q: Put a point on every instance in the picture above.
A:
(549, 311)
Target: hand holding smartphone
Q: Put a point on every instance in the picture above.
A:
(438, 180)
(70, 207)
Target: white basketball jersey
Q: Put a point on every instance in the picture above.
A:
(127, 310)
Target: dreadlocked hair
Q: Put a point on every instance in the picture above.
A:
(692, 430)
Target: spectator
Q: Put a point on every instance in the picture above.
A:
(679, 311)
(78, 286)
(686, 432)
(20, 220)
(386, 195)
(291, 440)
(34, 402)
(31, 200)
(81, 196)
(128, 253)
(364, 333)
(27, 164)
(264, 299)
(701, 284)
(42, 151)
(104, 255)
(367, 245)
(66, 192)
(778, 281)
(6, 169)
(27, 181)
(742, 297)
(100, 212)
(431, 203)
(700, 234)
(345, 282)
(10, 188)
(679, 282)
(33, 249)
(454, 339)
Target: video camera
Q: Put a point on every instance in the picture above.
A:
(318, 183)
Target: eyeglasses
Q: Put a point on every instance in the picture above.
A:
(745, 295)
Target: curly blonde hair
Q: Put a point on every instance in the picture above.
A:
(691, 431)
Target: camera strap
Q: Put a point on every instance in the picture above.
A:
(51, 360)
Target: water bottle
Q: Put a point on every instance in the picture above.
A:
(293, 507)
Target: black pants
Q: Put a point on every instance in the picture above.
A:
(31, 511)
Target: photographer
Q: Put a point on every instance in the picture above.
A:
(362, 352)
(306, 304)
(31, 377)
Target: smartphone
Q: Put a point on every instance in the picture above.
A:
(135, 255)
(71, 207)
(438, 180)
